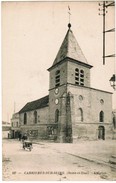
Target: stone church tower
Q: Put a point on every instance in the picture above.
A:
(75, 109)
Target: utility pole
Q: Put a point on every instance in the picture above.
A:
(103, 6)
(104, 33)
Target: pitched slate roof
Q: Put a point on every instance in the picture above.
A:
(70, 48)
(37, 104)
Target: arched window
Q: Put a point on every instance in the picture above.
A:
(56, 116)
(57, 78)
(25, 118)
(101, 132)
(80, 114)
(35, 116)
(101, 116)
(17, 124)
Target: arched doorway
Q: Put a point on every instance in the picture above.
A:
(101, 132)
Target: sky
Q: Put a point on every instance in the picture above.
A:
(32, 33)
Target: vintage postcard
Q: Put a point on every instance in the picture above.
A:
(59, 91)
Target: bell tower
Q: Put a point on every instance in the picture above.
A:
(70, 67)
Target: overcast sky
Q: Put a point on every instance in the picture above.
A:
(32, 33)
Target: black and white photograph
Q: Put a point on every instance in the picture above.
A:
(58, 91)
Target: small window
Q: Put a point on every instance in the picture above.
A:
(56, 116)
(35, 117)
(80, 114)
(101, 116)
(80, 97)
(114, 122)
(38, 119)
(25, 118)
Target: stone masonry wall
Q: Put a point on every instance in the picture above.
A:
(42, 116)
(90, 103)
(38, 130)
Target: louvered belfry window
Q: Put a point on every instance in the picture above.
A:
(57, 78)
(79, 77)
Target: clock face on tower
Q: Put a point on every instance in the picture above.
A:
(56, 101)
(56, 91)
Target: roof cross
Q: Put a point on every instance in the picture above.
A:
(69, 25)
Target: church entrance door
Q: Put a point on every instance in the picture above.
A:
(101, 132)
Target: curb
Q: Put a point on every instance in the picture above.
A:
(94, 160)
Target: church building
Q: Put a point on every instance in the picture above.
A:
(73, 110)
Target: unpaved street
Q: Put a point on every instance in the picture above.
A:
(50, 162)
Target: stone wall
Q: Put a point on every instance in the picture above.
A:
(90, 132)
(38, 130)
(91, 102)
(35, 132)
(42, 116)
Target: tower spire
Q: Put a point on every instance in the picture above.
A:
(69, 24)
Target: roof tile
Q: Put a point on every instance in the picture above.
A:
(70, 48)
(37, 104)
